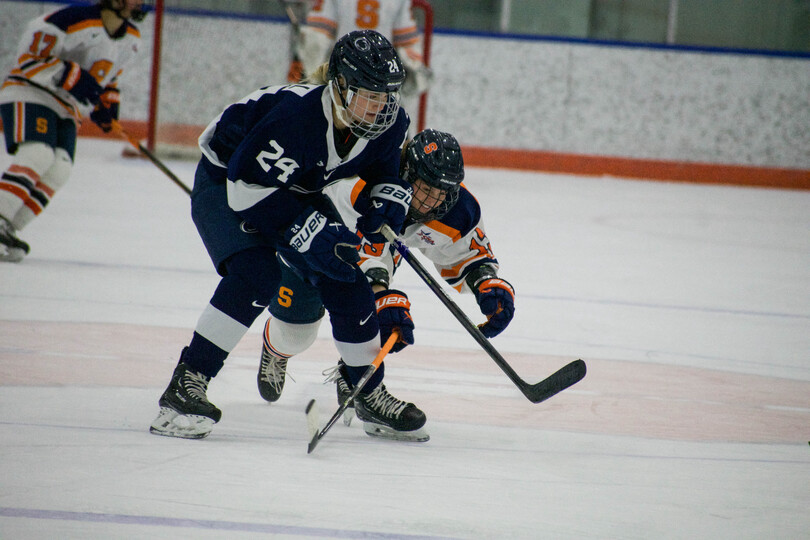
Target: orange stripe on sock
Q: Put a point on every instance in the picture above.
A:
(266, 335)
(15, 190)
(35, 207)
(27, 172)
(46, 189)
(19, 120)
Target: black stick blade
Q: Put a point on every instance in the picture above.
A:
(312, 425)
(555, 383)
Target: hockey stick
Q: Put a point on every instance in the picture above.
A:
(150, 155)
(555, 383)
(312, 409)
(295, 32)
(120, 131)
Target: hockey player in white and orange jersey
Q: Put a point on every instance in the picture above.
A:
(444, 222)
(68, 65)
(329, 19)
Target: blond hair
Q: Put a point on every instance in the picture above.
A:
(319, 75)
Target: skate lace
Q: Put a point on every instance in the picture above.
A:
(274, 370)
(333, 375)
(383, 402)
(196, 385)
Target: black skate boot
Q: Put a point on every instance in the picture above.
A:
(184, 408)
(12, 249)
(385, 416)
(344, 388)
(271, 376)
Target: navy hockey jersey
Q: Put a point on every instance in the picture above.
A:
(276, 149)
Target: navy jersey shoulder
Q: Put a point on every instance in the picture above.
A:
(67, 17)
(465, 214)
(289, 146)
(281, 136)
(238, 120)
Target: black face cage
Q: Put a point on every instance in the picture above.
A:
(450, 199)
(138, 15)
(385, 117)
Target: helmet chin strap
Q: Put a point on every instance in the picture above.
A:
(340, 106)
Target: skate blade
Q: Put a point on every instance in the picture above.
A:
(170, 423)
(348, 416)
(384, 432)
(9, 254)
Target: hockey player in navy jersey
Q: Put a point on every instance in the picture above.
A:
(444, 222)
(68, 66)
(257, 203)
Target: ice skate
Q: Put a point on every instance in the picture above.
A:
(12, 249)
(184, 408)
(271, 376)
(335, 374)
(387, 417)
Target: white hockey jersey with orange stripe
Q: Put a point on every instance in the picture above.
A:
(76, 34)
(391, 18)
(456, 243)
(330, 19)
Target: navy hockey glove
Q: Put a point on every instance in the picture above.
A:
(80, 84)
(393, 313)
(496, 298)
(107, 109)
(327, 246)
(389, 204)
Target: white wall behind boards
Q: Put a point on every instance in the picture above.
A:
(629, 102)
(514, 93)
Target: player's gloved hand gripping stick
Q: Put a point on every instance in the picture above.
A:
(555, 383)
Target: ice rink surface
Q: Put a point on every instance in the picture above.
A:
(689, 303)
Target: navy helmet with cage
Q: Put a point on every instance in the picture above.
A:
(367, 60)
(435, 158)
(364, 63)
(138, 14)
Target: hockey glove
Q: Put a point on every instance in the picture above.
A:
(80, 84)
(107, 109)
(393, 313)
(389, 204)
(496, 298)
(295, 74)
(327, 246)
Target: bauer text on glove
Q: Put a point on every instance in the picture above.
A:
(393, 313)
(389, 204)
(327, 246)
